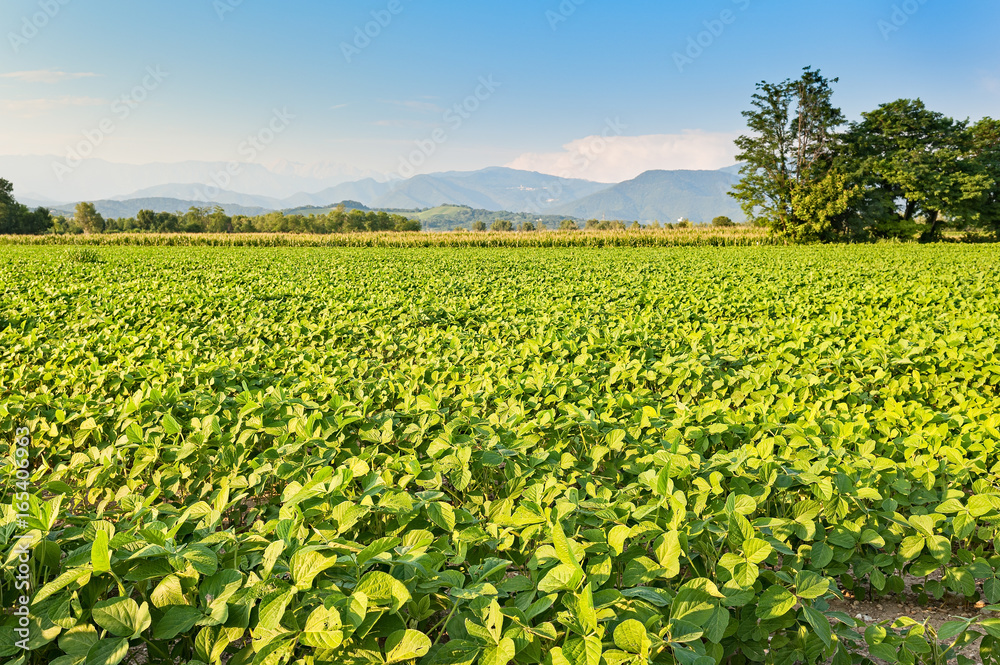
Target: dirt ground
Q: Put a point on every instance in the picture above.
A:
(935, 612)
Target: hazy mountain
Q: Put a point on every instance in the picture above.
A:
(488, 189)
(131, 207)
(493, 188)
(194, 192)
(365, 191)
(46, 177)
(655, 195)
(662, 195)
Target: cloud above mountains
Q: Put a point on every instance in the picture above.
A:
(619, 158)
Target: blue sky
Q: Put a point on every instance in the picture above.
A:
(557, 73)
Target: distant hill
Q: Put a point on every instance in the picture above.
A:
(203, 194)
(489, 189)
(305, 211)
(665, 196)
(131, 207)
(461, 198)
(366, 191)
(448, 217)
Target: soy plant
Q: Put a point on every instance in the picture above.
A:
(607, 454)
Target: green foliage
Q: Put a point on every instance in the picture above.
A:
(924, 158)
(788, 157)
(18, 219)
(986, 146)
(87, 218)
(336, 456)
(83, 255)
(723, 222)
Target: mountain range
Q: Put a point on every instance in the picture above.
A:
(652, 196)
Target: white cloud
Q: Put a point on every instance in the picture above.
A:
(620, 158)
(46, 76)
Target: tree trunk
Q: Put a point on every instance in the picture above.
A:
(934, 217)
(911, 209)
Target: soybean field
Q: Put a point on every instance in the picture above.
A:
(583, 456)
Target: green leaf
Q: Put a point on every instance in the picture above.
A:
(383, 590)
(501, 654)
(810, 585)
(78, 640)
(309, 562)
(775, 602)
(379, 546)
(871, 537)
(819, 623)
(204, 560)
(168, 592)
(715, 628)
(170, 425)
(630, 635)
(100, 557)
(176, 620)
(78, 575)
(271, 554)
(406, 645)
(563, 550)
(561, 578)
(122, 617)
(442, 514)
(107, 652)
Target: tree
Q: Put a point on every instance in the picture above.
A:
(528, 226)
(407, 224)
(789, 155)
(568, 225)
(921, 158)
(218, 221)
(986, 147)
(479, 225)
(502, 225)
(88, 218)
(723, 221)
(17, 219)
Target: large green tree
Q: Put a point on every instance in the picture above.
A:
(921, 159)
(88, 218)
(986, 146)
(789, 184)
(17, 219)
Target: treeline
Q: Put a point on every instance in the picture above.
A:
(16, 219)
(903, 170)
(503, 225)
